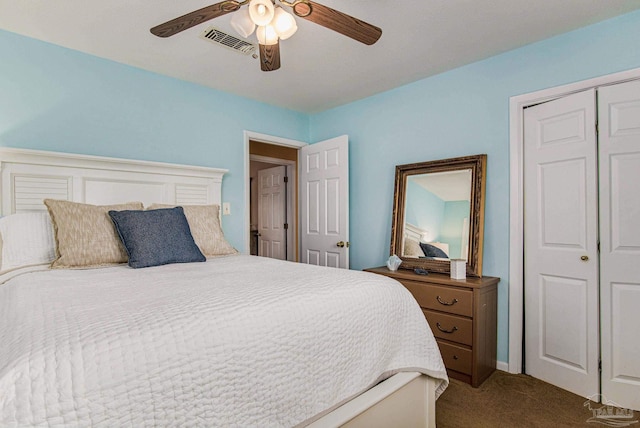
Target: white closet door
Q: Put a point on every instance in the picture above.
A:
(619, 151)
(561, 256)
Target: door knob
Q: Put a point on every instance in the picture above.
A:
(343, 244)
(584, 258)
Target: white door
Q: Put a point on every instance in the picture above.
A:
(324, 196)
(561, 254)
(272, 203)
(619, 123)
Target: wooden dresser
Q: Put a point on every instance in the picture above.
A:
(462, 314)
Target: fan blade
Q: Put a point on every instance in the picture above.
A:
(270, 57)
(338, 21)
(199, 16)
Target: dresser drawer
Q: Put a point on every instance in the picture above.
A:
(447, 299)
(450, 327)
(456, 357)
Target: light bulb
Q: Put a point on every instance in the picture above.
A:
(267, 35)
(284, 23)
(261, 11)
(242, 23)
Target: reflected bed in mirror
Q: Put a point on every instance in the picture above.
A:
(439, 214)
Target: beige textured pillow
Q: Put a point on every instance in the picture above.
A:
(85, 235)
(204, 222)
(412, 248)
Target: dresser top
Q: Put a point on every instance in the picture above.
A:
(436, 278)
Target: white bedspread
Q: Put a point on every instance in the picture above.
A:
(236, 341)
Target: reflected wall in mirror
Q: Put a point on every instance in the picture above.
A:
(439, 214)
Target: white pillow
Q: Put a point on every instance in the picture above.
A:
(27, 239)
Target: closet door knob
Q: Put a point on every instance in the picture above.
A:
(584, 258)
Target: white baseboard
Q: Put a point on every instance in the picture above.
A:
(501, 365)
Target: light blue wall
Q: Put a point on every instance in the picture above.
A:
(423, 209)
(454, 214)
(458, 113)
(52, 98)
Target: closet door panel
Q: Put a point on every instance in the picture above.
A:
(562, 200)
(619, 164)
(625, 204)
(625, 298)
(561, 256)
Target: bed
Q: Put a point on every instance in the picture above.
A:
(235, 340)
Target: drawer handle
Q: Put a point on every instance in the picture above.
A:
(442, 302)
(455, 357)
(453, 330)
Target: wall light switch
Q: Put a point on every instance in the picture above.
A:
(226, 208)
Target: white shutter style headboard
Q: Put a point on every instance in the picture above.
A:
(27, 177)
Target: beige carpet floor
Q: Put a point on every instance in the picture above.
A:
(507, 400)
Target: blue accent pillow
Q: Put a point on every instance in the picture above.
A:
(432, 251)
(156, 237)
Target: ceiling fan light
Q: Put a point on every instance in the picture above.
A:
(242, 23)
(261, 11)
(284, 23)
(267, 35)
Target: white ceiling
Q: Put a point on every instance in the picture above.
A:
(320, 68)
(448, 186)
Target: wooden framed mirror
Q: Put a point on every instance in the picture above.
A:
(438, 214)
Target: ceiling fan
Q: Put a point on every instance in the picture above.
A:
(273, 23)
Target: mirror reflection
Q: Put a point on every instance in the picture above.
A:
(437, 211)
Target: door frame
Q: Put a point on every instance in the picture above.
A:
(267, 139)
(291, 209)
(517, 104)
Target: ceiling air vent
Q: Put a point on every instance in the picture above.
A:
(237, 44)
